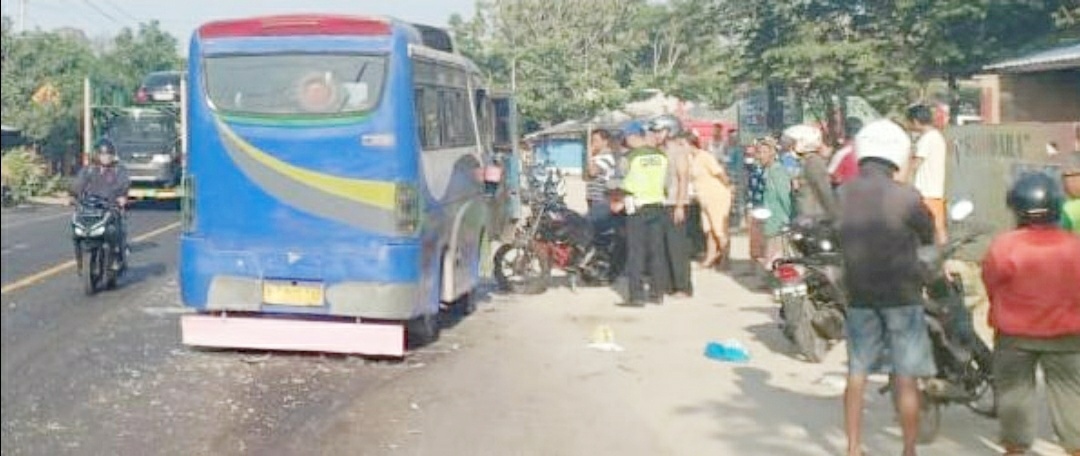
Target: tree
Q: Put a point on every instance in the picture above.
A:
(133, 54)
(564, 56)
(42, 74)
(884, 50)
(687, 52)
(570, 59)
(823, 51)
(957, 38)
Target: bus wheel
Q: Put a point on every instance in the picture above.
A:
(423, 330)
(467, 303)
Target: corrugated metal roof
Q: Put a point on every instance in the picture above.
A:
(1064, 57)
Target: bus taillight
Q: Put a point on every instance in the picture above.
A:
(299, 24)
(407, 209)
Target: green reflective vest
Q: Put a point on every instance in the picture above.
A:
(646, 177)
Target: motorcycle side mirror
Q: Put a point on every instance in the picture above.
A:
(761, 213)
(961, 210)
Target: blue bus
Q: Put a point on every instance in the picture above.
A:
(333, 192)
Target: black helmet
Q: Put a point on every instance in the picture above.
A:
(104, 146)
(1035, 198)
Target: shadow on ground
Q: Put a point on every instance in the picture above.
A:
(766, 419)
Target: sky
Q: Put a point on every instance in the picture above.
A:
(181, 17)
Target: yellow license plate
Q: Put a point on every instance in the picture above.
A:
(293, 293)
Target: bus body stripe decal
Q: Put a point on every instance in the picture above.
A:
(323, 195)
(375, 193)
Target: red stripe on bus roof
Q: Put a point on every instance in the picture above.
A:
(300, 24)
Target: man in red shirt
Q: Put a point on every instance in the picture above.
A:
(844, 165)
(1031, 276)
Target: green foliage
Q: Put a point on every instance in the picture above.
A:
(884, 51)
(959, 37)
(570, 59)
(27, 176)
(36, 62)
(133, 54)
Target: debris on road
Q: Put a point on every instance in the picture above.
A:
(729, 350)
(603, 339)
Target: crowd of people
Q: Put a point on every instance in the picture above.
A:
(885, 193)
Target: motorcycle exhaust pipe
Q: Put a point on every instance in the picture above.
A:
(589, 254)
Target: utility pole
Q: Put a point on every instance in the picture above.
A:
(22, 16)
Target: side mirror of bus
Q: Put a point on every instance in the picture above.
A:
(504, 122)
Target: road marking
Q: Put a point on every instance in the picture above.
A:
(14, 247)
(32, 221)
(42, 275)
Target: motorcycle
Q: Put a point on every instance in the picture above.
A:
(557, 236)
(809, 288)
(96, 233)
(963, 360)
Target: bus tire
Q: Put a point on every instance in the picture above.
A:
(423, 330)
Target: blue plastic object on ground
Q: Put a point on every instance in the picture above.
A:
(729, 350)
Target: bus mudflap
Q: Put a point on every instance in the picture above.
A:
(284, 334)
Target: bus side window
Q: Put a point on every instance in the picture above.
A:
(431, 116)
(418, 115)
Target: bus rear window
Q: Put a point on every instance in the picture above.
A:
(295, 84)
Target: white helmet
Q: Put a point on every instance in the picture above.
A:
(806, 138)
(666, 122)
(886, 140)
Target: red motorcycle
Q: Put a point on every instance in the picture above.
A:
(556, 236)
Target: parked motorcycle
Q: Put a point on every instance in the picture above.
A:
(809, 288)
(96, 226)
(963, 360)
(557, 236)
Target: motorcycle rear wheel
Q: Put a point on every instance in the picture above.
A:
(521, 270)
(799, 328)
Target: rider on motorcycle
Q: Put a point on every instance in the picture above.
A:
(1031, 275)
(106, 179)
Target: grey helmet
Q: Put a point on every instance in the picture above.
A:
(666, 122)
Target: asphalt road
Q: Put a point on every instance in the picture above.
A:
(107, 374)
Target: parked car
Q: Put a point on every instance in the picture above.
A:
(159, 87)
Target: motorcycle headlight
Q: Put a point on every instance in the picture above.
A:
(826, 245)
(796, 236)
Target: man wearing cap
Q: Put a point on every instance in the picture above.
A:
(644, 183)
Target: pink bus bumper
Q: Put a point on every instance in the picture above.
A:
(279, 334)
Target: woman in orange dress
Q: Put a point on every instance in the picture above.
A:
(713, 188)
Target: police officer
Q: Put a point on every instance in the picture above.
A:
(677, 191)
(644, 184)
(106, 179)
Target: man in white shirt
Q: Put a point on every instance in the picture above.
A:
(926, 171)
